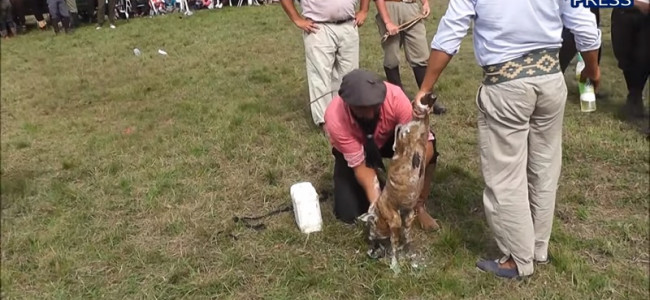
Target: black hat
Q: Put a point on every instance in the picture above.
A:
(362, 88)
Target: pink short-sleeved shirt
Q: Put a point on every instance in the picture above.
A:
(346, 136)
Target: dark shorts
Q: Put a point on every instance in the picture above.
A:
(350, 200)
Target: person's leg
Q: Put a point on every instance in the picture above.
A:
(644, 51)
(390, 47)
(62, 8)
(74, 14)
(320, 51)
(54, 14)
(504, 113)
(8, 20)
(625, 37)
(111, 13)
(350, 200)
(417, 48)
(18, 11)
(642, 62)
(101, 6)
(4, 10)
(347, 55)
(72, 6)
(545, 157)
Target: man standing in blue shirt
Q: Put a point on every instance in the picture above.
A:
(521, 108)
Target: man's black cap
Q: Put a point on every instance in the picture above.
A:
(362, 88)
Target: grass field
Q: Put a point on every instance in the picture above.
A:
(121, 174)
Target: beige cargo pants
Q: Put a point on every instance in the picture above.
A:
(330, 53)
(414, 39)
(520, 138)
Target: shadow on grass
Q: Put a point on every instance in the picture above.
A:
(456, 201)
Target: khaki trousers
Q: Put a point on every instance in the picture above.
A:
(331, 52)
(520, 137)
(416, 46)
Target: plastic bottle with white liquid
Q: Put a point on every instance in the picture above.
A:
(306, 207)
(586, 89)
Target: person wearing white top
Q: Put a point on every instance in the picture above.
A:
(521, 109)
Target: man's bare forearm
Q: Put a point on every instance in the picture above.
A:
(438, 61)
(383, 12)
(367, 179)
(364, 6)
(290, 10)
(590, 58)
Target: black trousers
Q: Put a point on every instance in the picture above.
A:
(6, 18)
(631, 44)
(569, 50)
(350, 199)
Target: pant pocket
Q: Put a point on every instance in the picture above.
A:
(479, 101)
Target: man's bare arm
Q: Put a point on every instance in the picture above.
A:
(364, 6)
(383, 12)
(306, 25)
(290, 10)
(360, 16)
(385, 16)
(438, 61)
(591, 70)
(367, 178)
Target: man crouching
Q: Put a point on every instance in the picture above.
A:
(360, 123)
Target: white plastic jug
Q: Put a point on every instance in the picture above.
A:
(586, 89)
(306, 207)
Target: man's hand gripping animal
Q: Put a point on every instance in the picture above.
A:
(391, 217)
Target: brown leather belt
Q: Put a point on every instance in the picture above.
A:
(405, 1)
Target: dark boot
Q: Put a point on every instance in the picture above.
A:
(634, 106)
(634, 103)
(393, 76)
(66, 24)
(74, 20)
(420, 72)
(13, 29)
(55, 25)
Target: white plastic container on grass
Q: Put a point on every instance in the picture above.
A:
(306, 207)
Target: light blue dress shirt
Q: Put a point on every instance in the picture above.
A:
(507, 29)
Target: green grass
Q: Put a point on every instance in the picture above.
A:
(121, 174)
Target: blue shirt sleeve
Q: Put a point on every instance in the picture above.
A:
(453, 26)
(582, 23)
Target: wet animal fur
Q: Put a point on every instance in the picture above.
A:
(390, 220)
